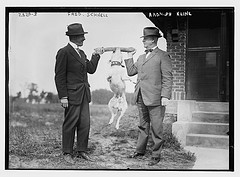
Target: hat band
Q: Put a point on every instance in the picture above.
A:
(158, 35)
(75, 33)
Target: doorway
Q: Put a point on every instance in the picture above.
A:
(204, 57)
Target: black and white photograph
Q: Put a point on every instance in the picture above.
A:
(119, 88)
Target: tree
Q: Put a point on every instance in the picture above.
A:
(33, 90)
(13, 99)
(43, 94)
(51, 98)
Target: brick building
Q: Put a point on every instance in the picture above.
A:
(200, 42)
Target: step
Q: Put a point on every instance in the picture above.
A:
(212, 106)
(172, 107)
(209, 141)
(208, 128)
(214, 117)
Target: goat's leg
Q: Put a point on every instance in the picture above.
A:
(112, 117)
(118, 120)
(124, 108)
(110, 106)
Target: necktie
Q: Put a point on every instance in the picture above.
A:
(78, 50)
(148, 50)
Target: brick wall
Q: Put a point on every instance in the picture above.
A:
(177, 51)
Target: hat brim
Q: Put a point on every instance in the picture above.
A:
(75, 34)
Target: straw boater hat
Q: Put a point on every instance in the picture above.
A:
(75, 29)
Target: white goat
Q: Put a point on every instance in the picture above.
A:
(116, 78)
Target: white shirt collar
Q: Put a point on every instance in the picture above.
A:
(73, 45)
(154, 47)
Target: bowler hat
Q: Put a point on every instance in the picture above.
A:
(151, 31)
(75, 29)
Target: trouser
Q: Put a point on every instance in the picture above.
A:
(150, 116)
(77, 118)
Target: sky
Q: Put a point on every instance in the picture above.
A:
(35, 39)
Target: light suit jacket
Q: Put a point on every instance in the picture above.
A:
(154, 76)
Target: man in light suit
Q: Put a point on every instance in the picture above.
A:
(152, 92)
(71, 80)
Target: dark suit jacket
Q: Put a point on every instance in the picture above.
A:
(71, 74)
(154, 76)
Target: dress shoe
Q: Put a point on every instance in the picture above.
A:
(135, 155)
(68, 158)
(84, 156)
(154, 161)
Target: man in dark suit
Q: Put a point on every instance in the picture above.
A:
(152, 92)
(73, 89)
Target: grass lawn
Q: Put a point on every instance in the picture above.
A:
(35, 141)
